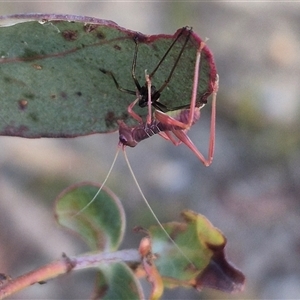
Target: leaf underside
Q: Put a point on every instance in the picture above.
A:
(51, 85)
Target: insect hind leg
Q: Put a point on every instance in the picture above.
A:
(182, 136)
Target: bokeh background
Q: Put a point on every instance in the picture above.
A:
(250, 192)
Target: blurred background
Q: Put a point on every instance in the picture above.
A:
(250, 192)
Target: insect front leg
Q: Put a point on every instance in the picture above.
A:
(182, 136)
(130, 107)
(132, 113)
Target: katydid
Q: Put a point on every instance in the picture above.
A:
(176, 121)
(165, 120)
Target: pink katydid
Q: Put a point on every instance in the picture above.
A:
(166, 121)
(170, 123)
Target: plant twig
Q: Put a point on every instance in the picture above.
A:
(64, 265)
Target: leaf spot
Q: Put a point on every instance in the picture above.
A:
(37, 67)
(64, 95)
(110, 119)
(34, 117)
(100, 35)
(70, 35)
(90, 27)
(23, 104)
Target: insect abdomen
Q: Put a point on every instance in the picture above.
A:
(144, 131)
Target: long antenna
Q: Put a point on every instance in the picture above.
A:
(102, 185)
(151, 210)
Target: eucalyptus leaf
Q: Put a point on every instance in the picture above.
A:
(50, 79)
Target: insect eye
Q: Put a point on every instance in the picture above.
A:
(123, 139)
(127, 140)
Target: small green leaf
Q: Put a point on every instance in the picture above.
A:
(101, 224)
(117, 281)
(201, 261)
(50, 79)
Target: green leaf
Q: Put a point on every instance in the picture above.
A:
(201, 261)
(51, 85)
(117, 281)
(101, 225)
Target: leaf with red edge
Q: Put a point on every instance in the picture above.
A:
(101, 224)
(50, 79)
